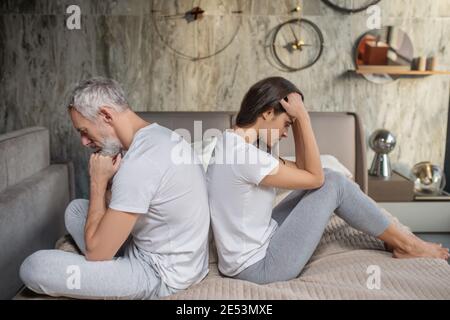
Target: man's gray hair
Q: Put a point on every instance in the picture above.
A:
(92, 94)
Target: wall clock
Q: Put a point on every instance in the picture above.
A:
(350, 6)
(196, 29)
(297, 44)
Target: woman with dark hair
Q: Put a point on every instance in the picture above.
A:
(261, 245)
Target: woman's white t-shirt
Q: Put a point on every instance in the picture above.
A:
(241, 209)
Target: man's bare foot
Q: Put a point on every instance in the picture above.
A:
(419, 248)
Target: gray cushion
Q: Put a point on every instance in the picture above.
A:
(31, 218)
(334, 132)
(22, 154)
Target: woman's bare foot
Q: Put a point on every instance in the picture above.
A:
(419, 248)
(388, 247)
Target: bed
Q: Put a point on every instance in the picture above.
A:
(347, 264)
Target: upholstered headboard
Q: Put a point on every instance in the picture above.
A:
(337, 133)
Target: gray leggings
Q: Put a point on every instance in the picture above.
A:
(302, 217)
(60, 273)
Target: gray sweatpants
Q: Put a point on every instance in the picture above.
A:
(59, 273)
(302, 217)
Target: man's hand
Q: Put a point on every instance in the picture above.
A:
(108, 194)
(103, 168)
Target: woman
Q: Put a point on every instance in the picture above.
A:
(261, 245)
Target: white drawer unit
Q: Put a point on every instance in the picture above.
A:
(421, 216)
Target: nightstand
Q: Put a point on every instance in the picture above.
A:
(393, 189)
(396, 195)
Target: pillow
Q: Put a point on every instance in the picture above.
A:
(330, 162)
(204, 149)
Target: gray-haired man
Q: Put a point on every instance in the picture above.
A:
(162, 204)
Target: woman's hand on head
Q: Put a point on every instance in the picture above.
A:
(294, 106)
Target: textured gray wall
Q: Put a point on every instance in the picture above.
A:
(40, 60)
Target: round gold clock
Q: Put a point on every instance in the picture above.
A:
(297, 44)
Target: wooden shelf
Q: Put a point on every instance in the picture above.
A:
(411, 73)
(396, 71)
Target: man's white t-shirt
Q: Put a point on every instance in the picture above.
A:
(171, 196)
(241, 209)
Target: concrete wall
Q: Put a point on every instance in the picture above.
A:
(40, 60)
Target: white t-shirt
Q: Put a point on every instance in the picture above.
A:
(172, 199)
(241, 209)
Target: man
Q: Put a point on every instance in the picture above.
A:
(162, 203)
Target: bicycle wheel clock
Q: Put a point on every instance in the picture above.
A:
(350, 6)
(196, 29)
(297, 44)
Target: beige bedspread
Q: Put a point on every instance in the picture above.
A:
(338, 269)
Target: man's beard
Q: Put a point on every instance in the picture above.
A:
(111, 147)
